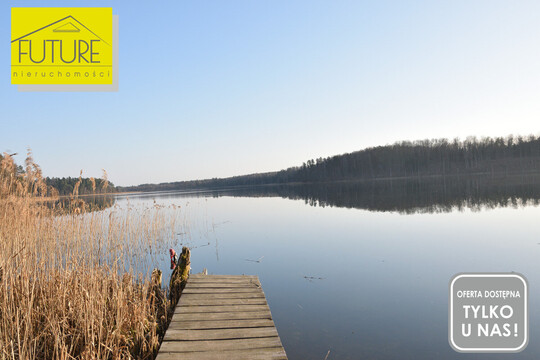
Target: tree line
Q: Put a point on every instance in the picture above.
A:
(408, 159)
(87, 186)
(405, 159)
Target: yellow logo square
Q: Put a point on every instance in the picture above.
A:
(64, 46)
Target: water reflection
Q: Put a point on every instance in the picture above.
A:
(364, 284)
(87, 203)
(410, 196)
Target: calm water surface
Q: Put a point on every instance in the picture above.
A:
(361, 281)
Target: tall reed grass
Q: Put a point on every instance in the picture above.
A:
(76, 283)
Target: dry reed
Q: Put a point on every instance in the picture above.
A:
(75, 283)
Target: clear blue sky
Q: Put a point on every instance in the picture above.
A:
(221, 88)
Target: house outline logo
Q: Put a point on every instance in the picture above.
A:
(68, 50)
(57, 29)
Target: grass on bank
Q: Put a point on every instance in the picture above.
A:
(74, 283)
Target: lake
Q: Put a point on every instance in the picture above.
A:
(362, 269)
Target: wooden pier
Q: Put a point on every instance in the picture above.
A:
(222, 317)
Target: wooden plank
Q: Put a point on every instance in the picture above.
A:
(274, 353)
(219, 324)
(251, 295)
(209, 277)
(214, 284)
(219, 345)
(235, 301)
(191, 290)
(220, 334)
(250, 285)
(227, 280)
(224, 308)
(224, 316)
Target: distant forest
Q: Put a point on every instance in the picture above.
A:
(406, 159)
(88, 186)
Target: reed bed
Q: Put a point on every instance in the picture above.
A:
(74, 283)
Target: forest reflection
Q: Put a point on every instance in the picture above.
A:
(406, 196)
(84, 203)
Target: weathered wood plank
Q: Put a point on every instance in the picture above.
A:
(218, 345)
(275, 353)
(250, 285)
(218, 290)
(225, 284)
(251, 295)
(225, 316)
(224, 308)
(226, 280)
(217, 302)
(219, 334)
(202, 276)
(219, 324)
